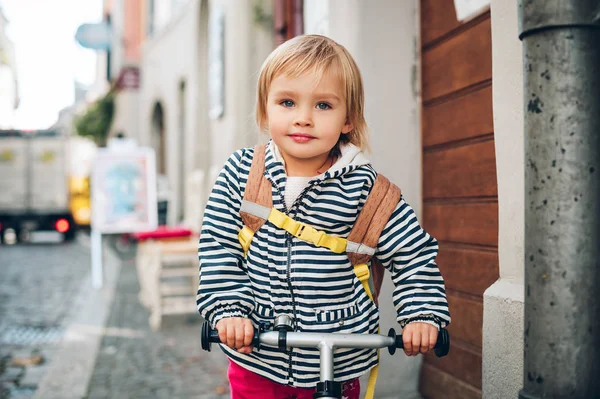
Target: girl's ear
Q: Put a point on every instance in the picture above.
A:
(348, 127)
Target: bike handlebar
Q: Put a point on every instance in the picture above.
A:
(284, 339)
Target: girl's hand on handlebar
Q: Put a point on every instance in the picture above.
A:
(236, 333)
(419, 338)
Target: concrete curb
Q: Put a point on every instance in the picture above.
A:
(73, 362)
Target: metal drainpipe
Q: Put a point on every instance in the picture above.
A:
(561, 56)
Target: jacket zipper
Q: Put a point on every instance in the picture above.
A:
(288, 238)
(289, 281)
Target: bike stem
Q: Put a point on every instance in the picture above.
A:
(326, 352)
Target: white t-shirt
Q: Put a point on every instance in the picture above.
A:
(293, 188)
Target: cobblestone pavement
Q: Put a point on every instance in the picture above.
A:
(135, 362)
(37, 283)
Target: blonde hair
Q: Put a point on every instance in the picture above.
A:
(322, 55)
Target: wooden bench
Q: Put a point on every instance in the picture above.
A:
(167, 266)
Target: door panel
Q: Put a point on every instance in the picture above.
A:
(445, 386)
(466, 311)
(468, 269)
(463, 363)
(475, 223)
(437, 19)
(460, 62)
(465, 171)
(461, 118)
(460, 194)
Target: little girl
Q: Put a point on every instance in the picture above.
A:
(310, 101)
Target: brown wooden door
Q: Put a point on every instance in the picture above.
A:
(460, 192)
(288, 19)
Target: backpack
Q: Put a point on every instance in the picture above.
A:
(360, 246)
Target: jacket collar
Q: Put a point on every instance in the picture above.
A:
(351, 159)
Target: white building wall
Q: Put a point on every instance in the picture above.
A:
(8, 95)
(178, 53)
(170, 57)
(162, 15)
(248, 41)
(117, 50)
(126, 117)
(503, 306)
(383, 40)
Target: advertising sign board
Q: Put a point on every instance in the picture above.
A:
(124, 191)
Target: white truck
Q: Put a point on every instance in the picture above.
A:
(34, 188)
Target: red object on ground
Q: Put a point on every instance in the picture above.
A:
(163, 232)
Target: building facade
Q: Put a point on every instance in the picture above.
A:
(9, 90)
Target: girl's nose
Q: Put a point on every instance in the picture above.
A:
(303, 118)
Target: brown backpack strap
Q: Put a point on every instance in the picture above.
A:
(258, 189)
(371, 221)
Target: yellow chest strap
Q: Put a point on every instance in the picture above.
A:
(300, 230)
(316, 237)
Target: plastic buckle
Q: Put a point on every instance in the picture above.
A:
(362, 272)
(310, 234)
(291, 226)
(338, 246)
(245, 237)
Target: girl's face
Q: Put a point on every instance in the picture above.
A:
(305, 118)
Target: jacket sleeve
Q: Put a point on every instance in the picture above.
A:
(224, 289)
(409, 253)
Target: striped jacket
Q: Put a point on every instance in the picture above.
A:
(318, 288)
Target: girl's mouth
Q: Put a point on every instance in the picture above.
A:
(301, 137)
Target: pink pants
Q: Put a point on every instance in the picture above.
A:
(248, 385)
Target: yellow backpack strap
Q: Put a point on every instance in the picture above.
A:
(362, 243)
(257, 198)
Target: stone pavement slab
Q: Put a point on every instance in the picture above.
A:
(136, 362)
(37, 285)
(69, 373)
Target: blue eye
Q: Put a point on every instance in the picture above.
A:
(323, 106)
(287, 103)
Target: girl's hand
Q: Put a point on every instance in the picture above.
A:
(419, 338)
(236, 333)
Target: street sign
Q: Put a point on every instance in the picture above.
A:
(96, 36)
(129, 78)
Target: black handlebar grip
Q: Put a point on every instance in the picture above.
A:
(209, 336)
(441, 348)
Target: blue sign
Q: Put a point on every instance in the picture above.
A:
(94, 36)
